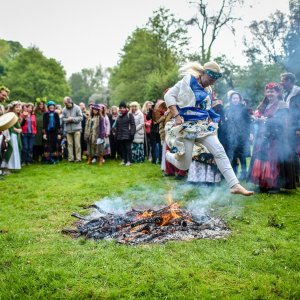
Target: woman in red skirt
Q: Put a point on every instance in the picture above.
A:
(271, 166)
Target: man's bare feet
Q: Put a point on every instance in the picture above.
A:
(240, 190)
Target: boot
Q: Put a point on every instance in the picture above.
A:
(100, 160)
(89, 160)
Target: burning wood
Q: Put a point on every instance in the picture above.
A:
(157, 226)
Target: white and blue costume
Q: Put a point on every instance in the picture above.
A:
(199, 128)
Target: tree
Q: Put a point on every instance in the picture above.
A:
(148, 63)
(169, 32)
(267, 43)
(211, 22)
(292, 40)
(140, 59)
(251, 80)
(230, 72)
(8, 51)
(31, 75)
(88, 82)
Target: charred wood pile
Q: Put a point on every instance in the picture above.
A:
(149, 226)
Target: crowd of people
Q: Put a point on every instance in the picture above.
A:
(191, 134)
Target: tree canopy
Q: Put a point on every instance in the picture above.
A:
(30, 75)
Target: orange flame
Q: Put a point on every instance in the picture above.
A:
(171, 215)
(145, 214)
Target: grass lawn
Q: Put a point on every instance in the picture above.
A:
(260, 260)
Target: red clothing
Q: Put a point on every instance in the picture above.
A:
(25, 124)
(171, 169)
(147, 124)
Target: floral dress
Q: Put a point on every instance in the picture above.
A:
(194, 106)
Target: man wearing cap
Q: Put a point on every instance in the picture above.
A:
(195, 122)
(72, 118)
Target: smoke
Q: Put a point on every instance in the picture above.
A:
(201, 201)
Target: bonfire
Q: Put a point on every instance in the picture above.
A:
(171, 222)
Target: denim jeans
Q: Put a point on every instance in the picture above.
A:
(27, 147)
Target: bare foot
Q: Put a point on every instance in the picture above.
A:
(240, 190)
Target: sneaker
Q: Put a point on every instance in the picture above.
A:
(128, 164)
(122, 163)
(94, 160)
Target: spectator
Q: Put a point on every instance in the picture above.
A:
(125, 130)
(4, 92)
(28, 125)
(237, 124)
(38, 147)
(94, 135)
(103, 111)
(146, 107)
(12, 157)
(112, 137)
(138, 154)
(271, 166)
(51, 134)
(292, 97)
(72, 118)
(85, 114)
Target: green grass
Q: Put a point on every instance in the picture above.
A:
(260, 260)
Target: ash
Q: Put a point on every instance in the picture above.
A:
(148, 226)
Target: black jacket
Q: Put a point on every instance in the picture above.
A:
(125, 127)
(46, 122)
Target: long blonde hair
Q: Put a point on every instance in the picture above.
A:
(191, 68)
(144, 108)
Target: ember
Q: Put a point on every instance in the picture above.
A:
(156, 226)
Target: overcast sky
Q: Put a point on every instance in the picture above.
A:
(85, 33)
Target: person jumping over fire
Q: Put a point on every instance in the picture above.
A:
(195, 122)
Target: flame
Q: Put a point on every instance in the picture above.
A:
(171, 215)
(145, 214)
(169, 197)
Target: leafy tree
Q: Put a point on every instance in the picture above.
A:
(210, 20)
(230, 72)
(139, 59)
(88, 82)
(267, 42)
(148, 63)
(8, 51)
(292, 40)
(251, 80)
(169, 32)
(31, 75)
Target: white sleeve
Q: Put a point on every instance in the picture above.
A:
(180, 94)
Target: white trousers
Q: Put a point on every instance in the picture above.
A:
(213, 145)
